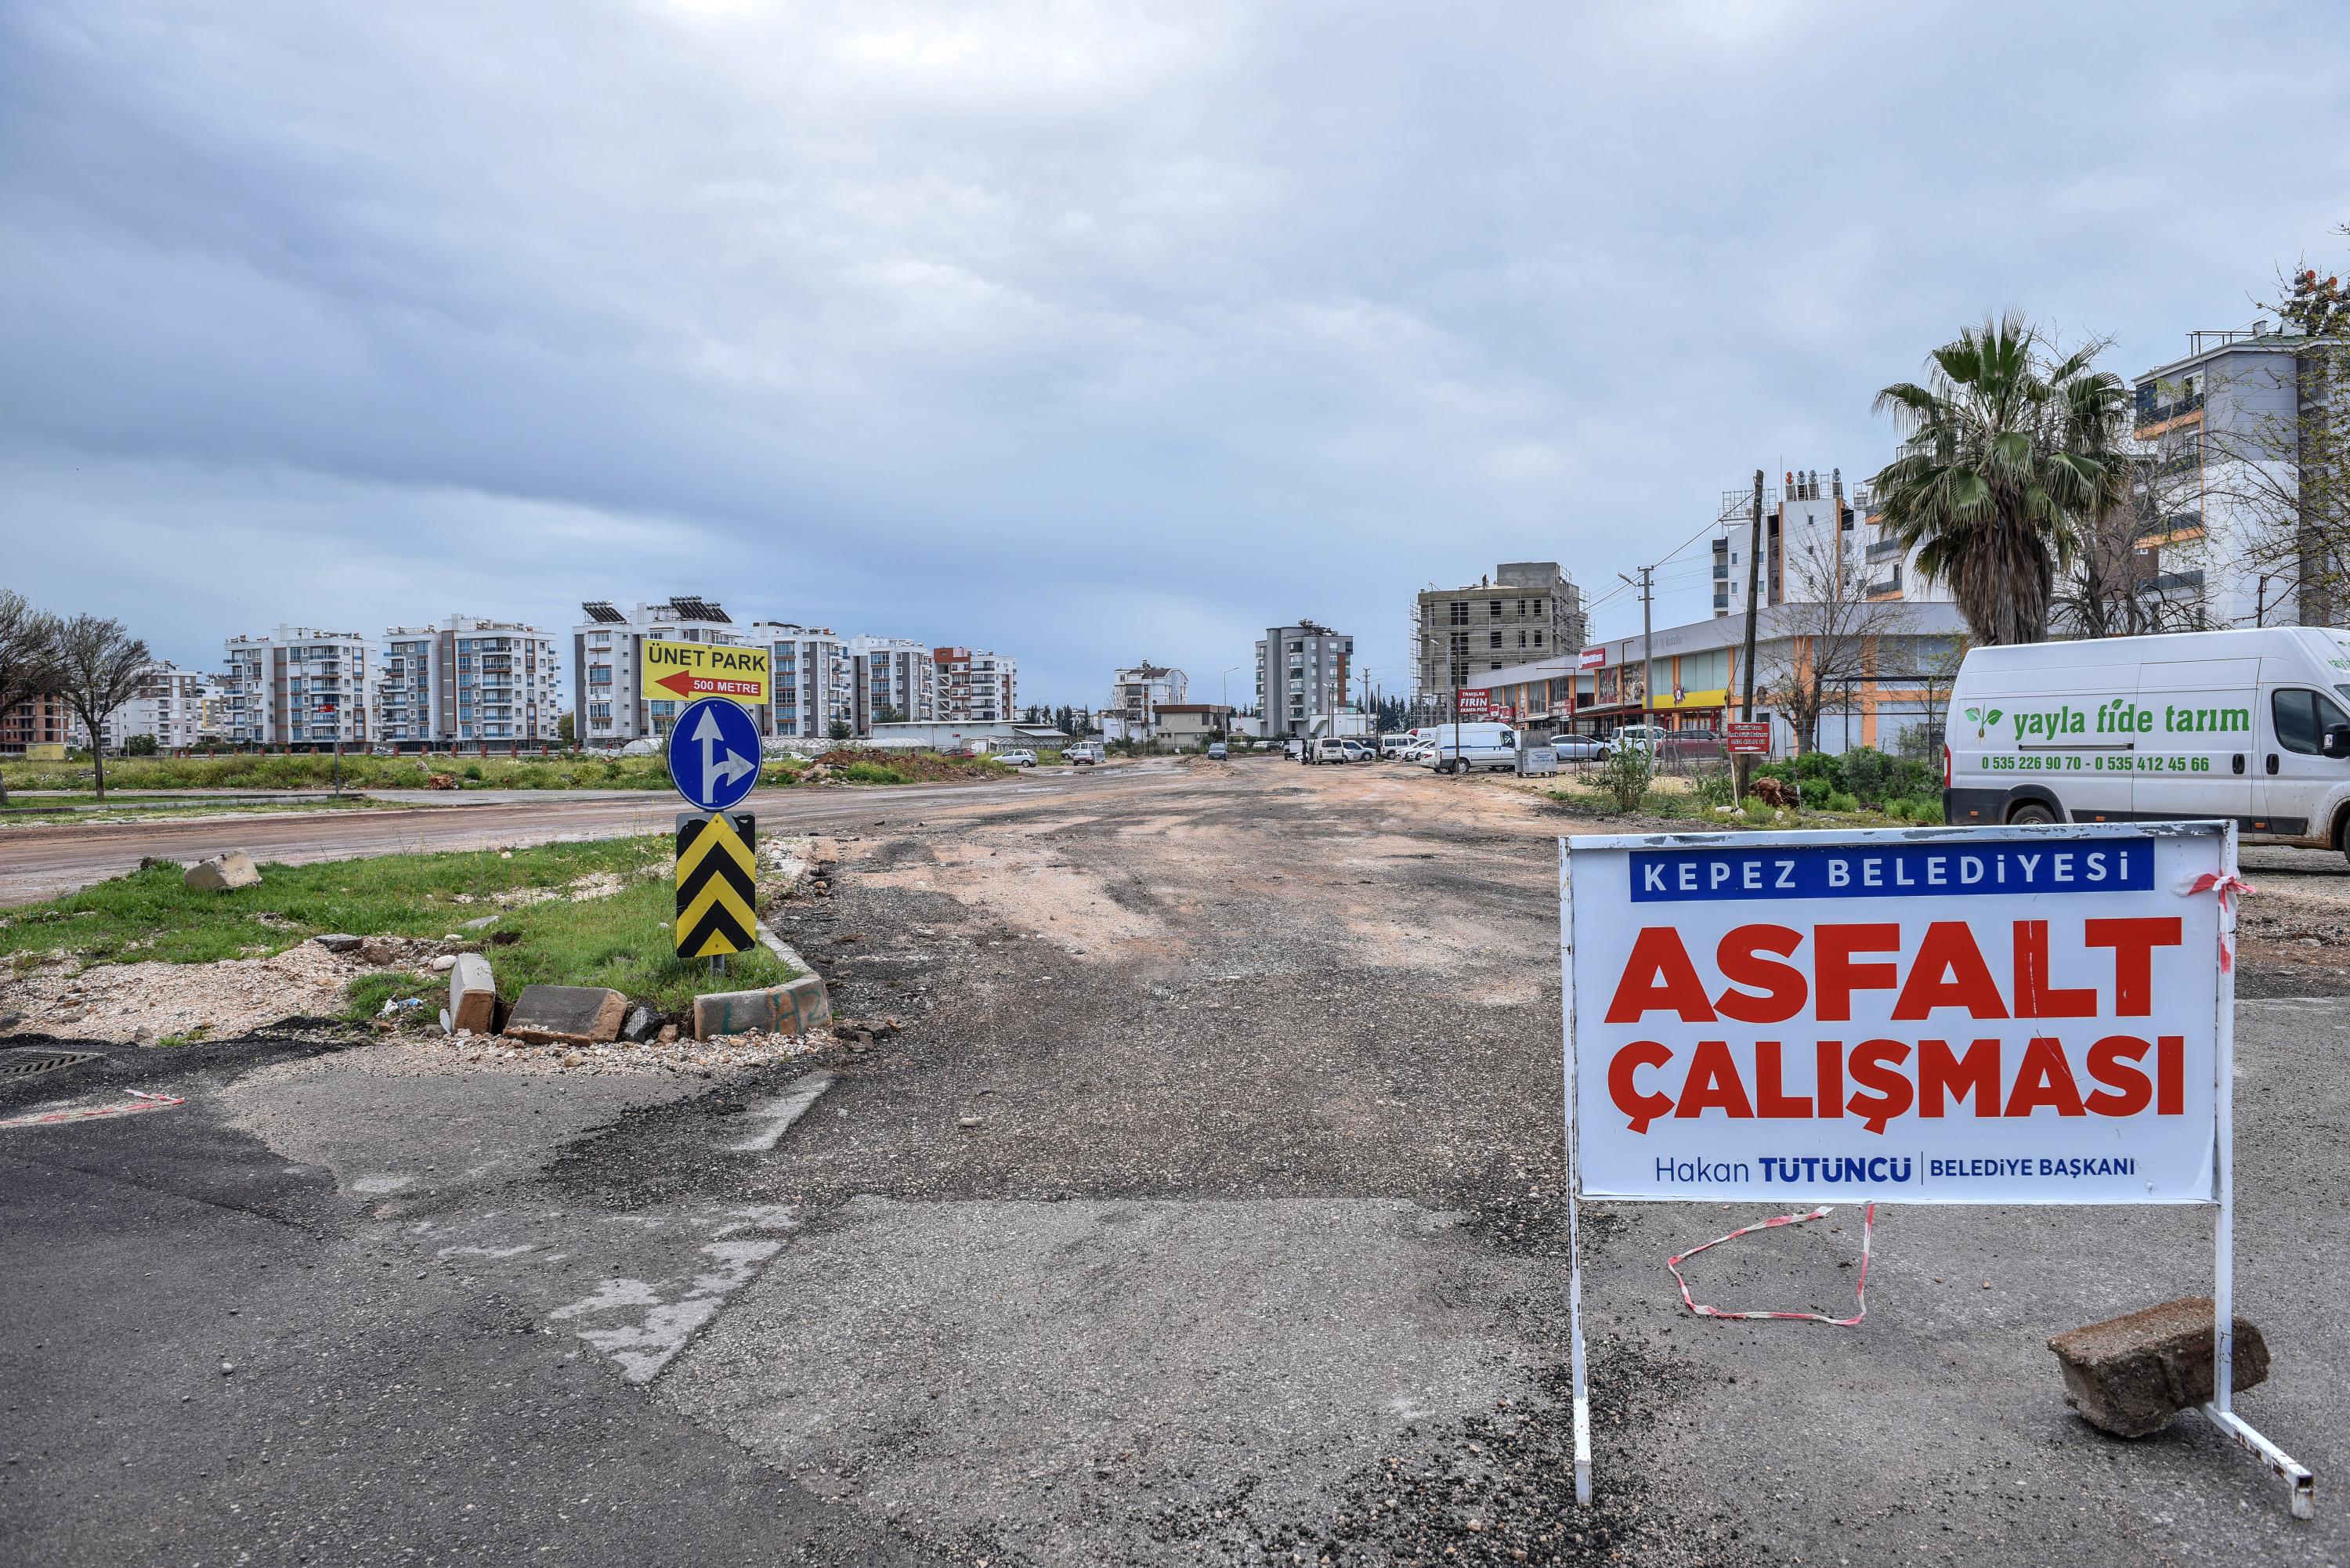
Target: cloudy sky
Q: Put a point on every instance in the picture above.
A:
(1086, 333)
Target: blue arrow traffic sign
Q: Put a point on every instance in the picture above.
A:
(714, 753)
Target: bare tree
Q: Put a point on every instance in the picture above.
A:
(28, 657)
(2133, 559)
(1831, 630)
(100, 666)
(1935, 671)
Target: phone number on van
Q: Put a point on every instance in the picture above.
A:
(2071, 761)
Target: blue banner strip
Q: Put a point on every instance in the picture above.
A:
(1891, 871)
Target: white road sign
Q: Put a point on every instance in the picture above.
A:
(1967, 1015)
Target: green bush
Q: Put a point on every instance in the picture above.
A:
(139, 746)
(1869, 774)
(1626, 773)
(1839, 802)
(872, 773)
(1711, 788)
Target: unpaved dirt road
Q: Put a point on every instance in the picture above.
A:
(41, 863)
(1206, 1209)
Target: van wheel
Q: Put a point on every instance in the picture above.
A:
(2031, 813)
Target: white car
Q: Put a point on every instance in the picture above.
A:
(1016, 759)
(1083, 755)
(1578, 748)
(1649, 738)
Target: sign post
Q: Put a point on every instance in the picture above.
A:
(714, 762)
(1749, 736)
(2039, 1015)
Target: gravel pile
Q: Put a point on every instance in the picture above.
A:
(141, 1003)
(433, 1053)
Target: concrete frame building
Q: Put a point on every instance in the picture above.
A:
(894, 675)
(814, 681)
(1301, 672)
(1525, 611)
(975, 686)
(607, 654)
(297, 687)
(36, 721)
(466, 681)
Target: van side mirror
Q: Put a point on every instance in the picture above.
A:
(2336, 743)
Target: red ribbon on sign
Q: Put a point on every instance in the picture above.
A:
(1860, 1290)
(2229, 886)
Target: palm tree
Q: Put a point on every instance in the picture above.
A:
(2005, 452)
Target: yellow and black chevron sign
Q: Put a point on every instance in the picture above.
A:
(717, 884)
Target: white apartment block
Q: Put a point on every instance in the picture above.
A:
(2221, 433)
(895, 676)
(1817, 541)
(606, 653)
(466, 680)
(1135, 695)
(812, 682)
(295, 687)
(978, 686)
(170, 707)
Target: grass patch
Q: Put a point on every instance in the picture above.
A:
(152, 914)
(622, 940)
(179, 809)
(561, 770)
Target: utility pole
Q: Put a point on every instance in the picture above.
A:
(1740, 765)
(1647, 661)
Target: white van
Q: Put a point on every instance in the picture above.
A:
(1465, 748)
(2249, 725)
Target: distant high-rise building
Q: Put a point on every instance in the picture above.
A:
(607, 662)
(297, 687)
(1301, 676)
(897, 681)
(1818, 544)
(467, 680)
(168, 708)
(813, 679)
(1525, 612)
(975, 685)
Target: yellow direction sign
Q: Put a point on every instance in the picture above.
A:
(717, 884)
(682, 672)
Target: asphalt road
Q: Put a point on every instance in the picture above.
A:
(1204, 1209)
(42, 862)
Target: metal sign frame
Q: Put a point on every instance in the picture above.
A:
(2220, 1408)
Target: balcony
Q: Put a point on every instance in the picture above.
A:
(2150, 412)
(1885, 550)
(2191, 582)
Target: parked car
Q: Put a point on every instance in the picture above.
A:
(1649, 738)
(1468, 748)
(1294, 750)
(1578, 748)
(1361, 751)
(1217, 752)
(1085, 753)
(2249, 725)
(1395, 743)
(1017, 758)
(1328, 749)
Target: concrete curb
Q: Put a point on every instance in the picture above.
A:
(796, 1007)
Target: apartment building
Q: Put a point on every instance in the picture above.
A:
(1818, 543)
(978, 685)
(2222, 434)
(1301, 675)
(466, 680)
(607, 659)
(168, 707)
(897, 682)
(1525, 609)
(297, 686)
(1138, 694)
(814, 678)
(36, 721)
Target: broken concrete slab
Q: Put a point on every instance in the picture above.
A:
(473, 994)
(476, 925)
(2130, 1375)
(567, 1015)
(794, 1008)
(337, 942)
(223, 873)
